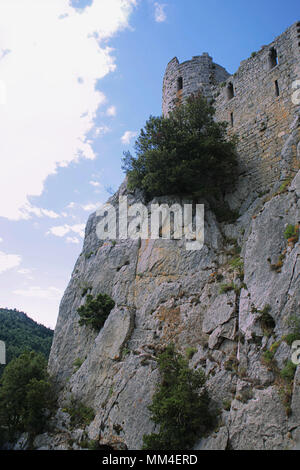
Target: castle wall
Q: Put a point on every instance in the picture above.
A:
(261, 112)
(261, 119)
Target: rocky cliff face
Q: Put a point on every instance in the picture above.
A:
(231, 303)
(214, 300)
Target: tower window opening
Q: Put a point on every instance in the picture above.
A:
(277, 91)
(231, 119)
(230, 91)
(179, 83)
(273, 58)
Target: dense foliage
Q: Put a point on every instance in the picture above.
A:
(179, 406)
(21, 333)
(186, 153)
(95, 310)
(25, 395)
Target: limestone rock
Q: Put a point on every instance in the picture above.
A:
(259, 424)
(218, 441)
(164, 293)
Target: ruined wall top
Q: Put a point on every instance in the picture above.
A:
(181, 80)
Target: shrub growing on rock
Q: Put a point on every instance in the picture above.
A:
(80, 414)
(186, 153)
(294, 323)
(266, 320)
(292, 232)
(179, 406)
(95, 310)
(288, 372)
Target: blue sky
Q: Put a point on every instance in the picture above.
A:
(77, 82)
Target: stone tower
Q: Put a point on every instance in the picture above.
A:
(181, 80)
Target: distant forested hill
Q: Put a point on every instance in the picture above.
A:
(21, 333)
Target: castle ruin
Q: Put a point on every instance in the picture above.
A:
(260, 102)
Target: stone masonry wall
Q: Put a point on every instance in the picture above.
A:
(200, 73)
(256, 102)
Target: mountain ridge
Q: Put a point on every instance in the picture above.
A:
(20, 333)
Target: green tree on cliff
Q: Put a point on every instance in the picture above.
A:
(186, 153)
(179, 406)
(25, 395)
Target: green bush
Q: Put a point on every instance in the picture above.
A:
(291, 337)
(237, 263)
(179, 406)
(268, 356)
(226, 288)
(288, 372)
(266, 320)
(294, 323)
(223, 212)
(284, 186)
(80, 414)
(227, 405)
(77, 363)
(290, 232)
(95, 310)
(190, 351)
(25, 395)
(186, 153)
(90, 444)
(93, 445)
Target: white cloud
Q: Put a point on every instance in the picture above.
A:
(72, 240)
(59, 231)
(91, 207)
(62, 230)
(27, 210)
(127, 137)
(50, 293)
(96, 184)
(111, 111)
(159, 12)
(1, 239)
(101, 130)
(24, 271)
(56, 55)
(8, 261)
